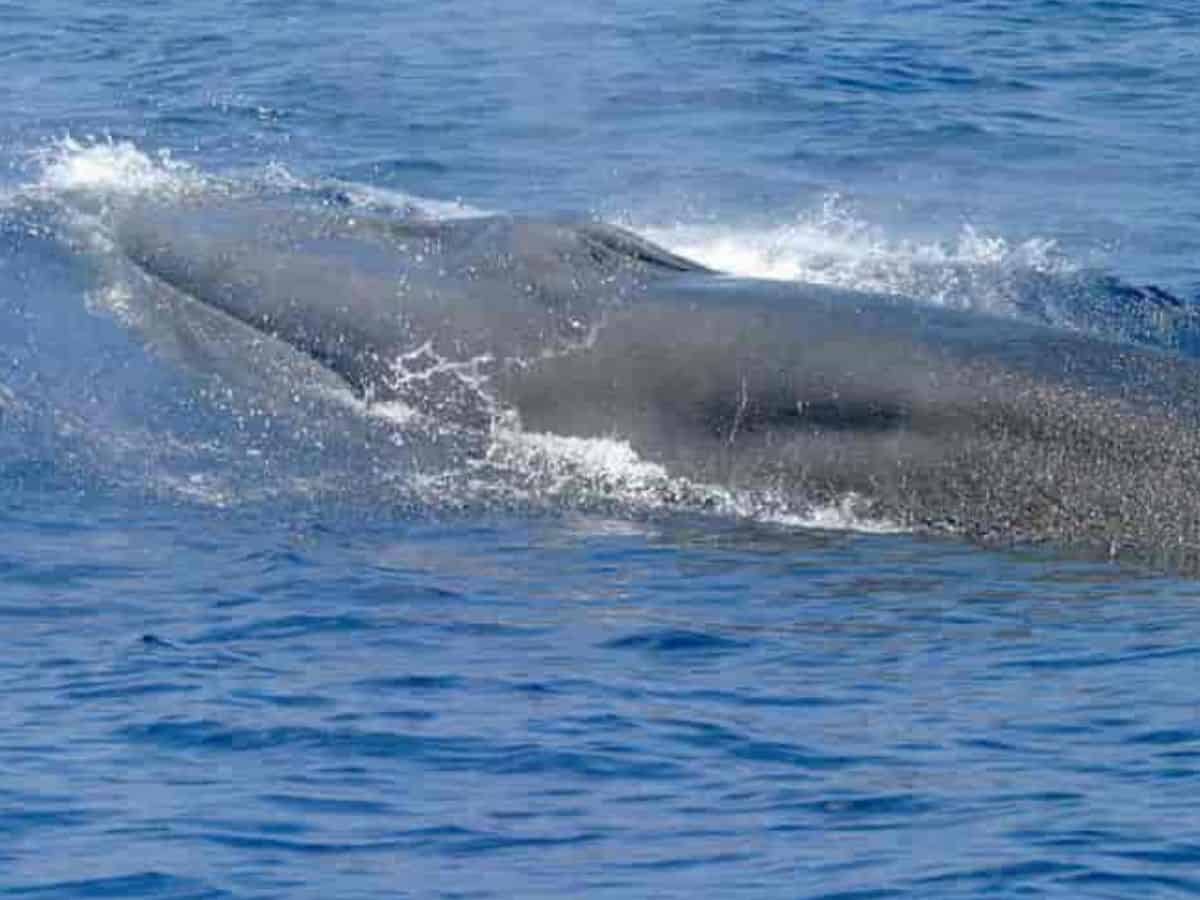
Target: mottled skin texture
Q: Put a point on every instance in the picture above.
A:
(950, 420)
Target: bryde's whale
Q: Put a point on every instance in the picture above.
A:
(1002, 430)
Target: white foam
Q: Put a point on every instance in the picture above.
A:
(847, 513)
(393, 412)
(111, 167)
(567, 464)
(831, 245)
(583, 471)
(199, 488)
(113, 297)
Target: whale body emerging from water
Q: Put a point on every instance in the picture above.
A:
(998, 429)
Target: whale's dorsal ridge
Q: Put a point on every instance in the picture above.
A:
(621, 241)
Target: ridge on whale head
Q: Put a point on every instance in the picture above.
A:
(1002, 430)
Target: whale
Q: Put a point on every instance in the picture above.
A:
(1007, 432)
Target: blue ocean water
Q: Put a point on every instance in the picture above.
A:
(249, 657)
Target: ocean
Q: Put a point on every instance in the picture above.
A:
(253, 654)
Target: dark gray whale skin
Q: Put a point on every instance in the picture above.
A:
(942, 419)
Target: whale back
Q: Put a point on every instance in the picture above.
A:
(937, 418)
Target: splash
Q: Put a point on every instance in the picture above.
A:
(833, 246)
(114, 169)
(591, 474)
(107, 166)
